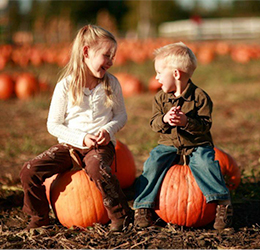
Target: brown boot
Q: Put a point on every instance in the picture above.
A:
(224, 217)
(143, 217)
(38, 221)
(119, 221)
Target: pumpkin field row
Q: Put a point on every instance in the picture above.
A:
(137, 51)
(22, 86)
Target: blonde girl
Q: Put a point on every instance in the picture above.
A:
(86, 111)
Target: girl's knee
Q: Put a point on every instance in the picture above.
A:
(96, 172)
(27, 173)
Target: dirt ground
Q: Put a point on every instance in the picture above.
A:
(245, 233)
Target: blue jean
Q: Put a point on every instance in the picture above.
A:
(204, 168)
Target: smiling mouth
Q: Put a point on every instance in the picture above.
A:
(104, 68)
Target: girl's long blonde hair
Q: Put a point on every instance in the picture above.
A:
(76, 68)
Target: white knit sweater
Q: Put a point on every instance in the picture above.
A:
(70, 124)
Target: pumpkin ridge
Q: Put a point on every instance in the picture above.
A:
(70, 208)
(189, 196)
(168, 193)
(178, 201)
(83, 215)
(92, 198)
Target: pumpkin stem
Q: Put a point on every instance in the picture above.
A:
(76, 161)
(184, 160)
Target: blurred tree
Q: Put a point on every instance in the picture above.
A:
(145, 16)
(138, 17)
(79, 12)
(246, 8)
(14, 19)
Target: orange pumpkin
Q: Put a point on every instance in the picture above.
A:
(26, 85)
(77, 201)
(153, 85)
(206, 55)
(124, 167)
(130, 84)
(72, 204)
(229, 168)
(6, 86)
(241, 54)
(181, 201)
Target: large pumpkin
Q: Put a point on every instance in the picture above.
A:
(124, 167)
(75, 199)
(180, 200)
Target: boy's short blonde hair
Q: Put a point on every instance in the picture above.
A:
(179, 56)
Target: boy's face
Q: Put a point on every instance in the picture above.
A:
(165, 75)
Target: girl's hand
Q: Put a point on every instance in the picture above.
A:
(90, 140)
(103, 137)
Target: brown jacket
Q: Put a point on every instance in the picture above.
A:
(197, 106)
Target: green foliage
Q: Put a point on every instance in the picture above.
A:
(249, 188)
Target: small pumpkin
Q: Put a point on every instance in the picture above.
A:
(6, 86)
(180, 200)
(130, 84)
(72, 204)
(206, 55)
(124, 165)
(26, 85)
(153, 85)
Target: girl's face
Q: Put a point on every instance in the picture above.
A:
(165, 76)
(99, 58)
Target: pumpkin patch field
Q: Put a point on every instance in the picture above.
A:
(230, 75)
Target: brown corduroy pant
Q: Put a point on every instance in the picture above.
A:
(57, 159)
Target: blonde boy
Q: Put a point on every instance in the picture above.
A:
(181, 114)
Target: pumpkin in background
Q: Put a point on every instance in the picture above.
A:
(124, 166)
(130, 84)
(6, 86)
(72, 204)
(180, 200)
(206, 55)
(229, 168)
(241, 53)
(26, 85)
(153, 85)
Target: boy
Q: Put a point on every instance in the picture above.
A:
(181, 114)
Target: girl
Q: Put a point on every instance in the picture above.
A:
(86, 111)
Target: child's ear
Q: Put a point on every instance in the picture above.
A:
(85, 50)
(176, 74)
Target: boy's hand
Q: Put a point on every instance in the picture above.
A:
(175, 117)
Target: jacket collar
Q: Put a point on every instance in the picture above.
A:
(186, 94)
